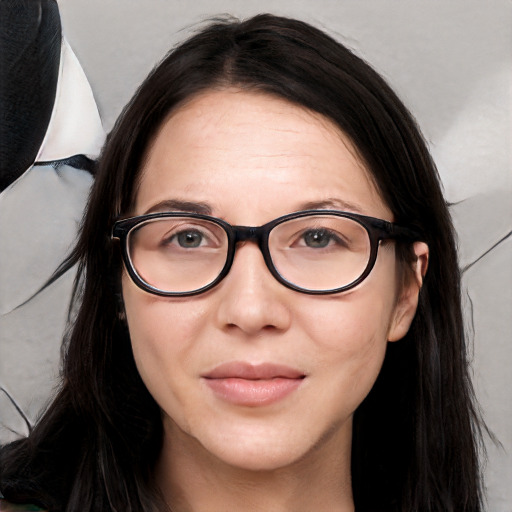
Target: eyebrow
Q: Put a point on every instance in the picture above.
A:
(177, 205)
(331, 204)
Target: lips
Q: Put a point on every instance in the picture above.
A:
(253, 385)
(247, 371)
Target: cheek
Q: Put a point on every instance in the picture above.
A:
(350, 333)
(162, 337)
(350, 350)
(350, 336)
(164, 340)
(157, 321)
(353, 322)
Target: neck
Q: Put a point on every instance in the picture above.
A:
(194, 480)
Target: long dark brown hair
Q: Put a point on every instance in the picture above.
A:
(417, 434)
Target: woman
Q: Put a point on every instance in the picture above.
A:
(256, 328)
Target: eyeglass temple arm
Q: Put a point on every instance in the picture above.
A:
(402, 233)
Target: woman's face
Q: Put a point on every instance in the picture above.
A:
(251, 372)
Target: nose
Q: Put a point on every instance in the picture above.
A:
(251, 300)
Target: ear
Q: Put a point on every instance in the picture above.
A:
(407, 301)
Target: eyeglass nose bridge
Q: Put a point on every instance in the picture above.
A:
(252, 234)
(248, 233)
(258, 235)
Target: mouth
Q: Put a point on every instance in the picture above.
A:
(253, 385)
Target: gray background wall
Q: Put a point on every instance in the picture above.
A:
(450, 61)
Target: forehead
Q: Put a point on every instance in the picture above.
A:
(250, 149)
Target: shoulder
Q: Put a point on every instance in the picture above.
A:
(5, 506)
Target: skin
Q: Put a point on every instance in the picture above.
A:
(251, 158)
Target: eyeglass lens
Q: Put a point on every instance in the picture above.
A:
(183, 254)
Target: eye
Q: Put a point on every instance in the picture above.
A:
(178, 236)
(185, 234)
(188, 239)
(319, 238)
(191, 238)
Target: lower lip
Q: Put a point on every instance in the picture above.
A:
(253, 393)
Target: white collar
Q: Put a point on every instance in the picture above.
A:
(75, 124)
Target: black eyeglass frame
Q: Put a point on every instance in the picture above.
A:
(377, 230)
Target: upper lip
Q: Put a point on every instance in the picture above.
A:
(248, 371)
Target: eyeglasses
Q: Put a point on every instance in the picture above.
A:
(313, 251)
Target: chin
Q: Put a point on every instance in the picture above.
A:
(267, 447)
(261, 459)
